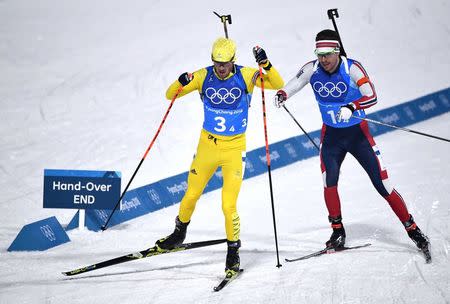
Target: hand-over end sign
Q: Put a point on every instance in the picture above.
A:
(81, 189)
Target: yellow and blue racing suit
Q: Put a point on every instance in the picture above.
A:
(222, 140)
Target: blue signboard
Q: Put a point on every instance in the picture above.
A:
(81, 189)
(40, 236)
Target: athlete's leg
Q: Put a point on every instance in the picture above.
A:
(332, 155)
(202, 168)
(232, 172)
(369, 156)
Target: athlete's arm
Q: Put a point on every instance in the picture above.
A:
(272, 79)
(300, 80)
(360, 77)
(195, 84)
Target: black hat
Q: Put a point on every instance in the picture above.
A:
(327, 35)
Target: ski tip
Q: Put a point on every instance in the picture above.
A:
(70, 273)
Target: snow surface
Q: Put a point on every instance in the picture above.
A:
(82, 87)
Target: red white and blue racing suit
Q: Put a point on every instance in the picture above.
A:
(349, 83)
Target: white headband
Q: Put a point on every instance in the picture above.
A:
(327, 46)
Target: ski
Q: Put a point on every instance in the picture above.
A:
(142, 254)
(326, 250)
(229, 276)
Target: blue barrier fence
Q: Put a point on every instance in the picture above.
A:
(169, 191)
(40, 235)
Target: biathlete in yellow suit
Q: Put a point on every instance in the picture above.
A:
(226, 90)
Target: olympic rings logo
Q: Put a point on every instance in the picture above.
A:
(47, 231)
(154, 196)
(223, 94)
(330, 88)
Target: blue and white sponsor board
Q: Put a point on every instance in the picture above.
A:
(81, 189)
(40, 235)
(169, 191)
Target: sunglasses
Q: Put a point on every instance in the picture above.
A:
(325, 54)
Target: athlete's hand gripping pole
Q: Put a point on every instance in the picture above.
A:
(268, 159)
(142, 160)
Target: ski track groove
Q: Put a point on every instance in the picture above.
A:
(431, 286)
(419, 271)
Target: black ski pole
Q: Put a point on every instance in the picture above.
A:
(306, 133)
(401, 128)
(224, 19)
(268, 165)
(331, 14)
(142, 159)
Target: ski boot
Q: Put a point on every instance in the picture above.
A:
(233, 262)
(176, 238)
(415, 234)
(337, 238)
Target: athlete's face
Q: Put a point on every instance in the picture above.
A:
(223, 69)
(329, 61)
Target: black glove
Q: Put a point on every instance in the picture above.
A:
(185, 78)
(280, 98)
(260, 55)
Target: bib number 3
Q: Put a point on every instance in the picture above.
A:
(221, 127)
(220, 124)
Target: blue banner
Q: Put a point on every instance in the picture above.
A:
(81, 189)
(40, 236)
